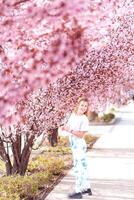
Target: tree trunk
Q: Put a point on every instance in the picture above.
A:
(24, 163)
(8, 166)
(5, 156)
(53, 137)
(16, 149)
(26, 155)
(20, 158)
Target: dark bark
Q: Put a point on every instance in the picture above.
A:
(20, 156)
(26, 155)
(20, 160)
(53, 137)
(8, 166)
(5, 156)
(16, 149)
(24, 163)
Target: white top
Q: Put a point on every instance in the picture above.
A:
(78, 122)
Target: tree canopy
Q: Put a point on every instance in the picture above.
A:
(44, 40)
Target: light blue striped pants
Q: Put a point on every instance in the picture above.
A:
(81, 164)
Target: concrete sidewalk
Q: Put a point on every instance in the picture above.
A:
(111, 165)
(121, 135)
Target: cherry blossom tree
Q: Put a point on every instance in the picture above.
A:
(42, 40)
(38, 115)
(106, 75)
(93, 50)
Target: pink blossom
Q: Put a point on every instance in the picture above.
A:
(43, 41)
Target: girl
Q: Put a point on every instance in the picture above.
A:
(77, 126)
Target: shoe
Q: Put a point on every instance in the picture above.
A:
(88, 191)
(75, 196)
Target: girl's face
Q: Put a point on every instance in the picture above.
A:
(82, 108)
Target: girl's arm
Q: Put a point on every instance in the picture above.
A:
(79, 134)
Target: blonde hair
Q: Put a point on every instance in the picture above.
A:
(78, 103)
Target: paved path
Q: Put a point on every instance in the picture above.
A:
(121, 134)
(111, 165)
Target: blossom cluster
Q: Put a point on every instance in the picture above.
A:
(42, 41)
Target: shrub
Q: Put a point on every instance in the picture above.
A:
(41, 163)
(27, 187)
(16, 187)
(89, 138)
(108, 117)
(63, 141)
